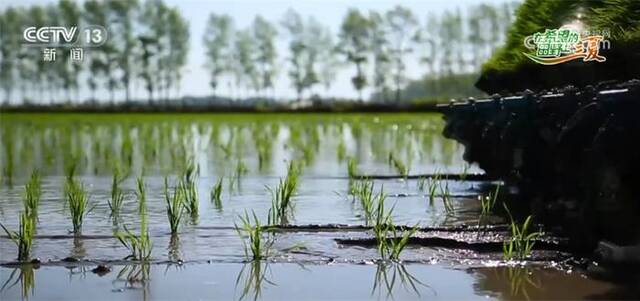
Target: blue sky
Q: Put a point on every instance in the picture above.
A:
(329, 12)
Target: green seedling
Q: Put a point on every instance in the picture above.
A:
(117, 194)
(258, 247)
(216, 194)
(140, 246)
(32, 195)
(175, 207)
(281, 203)
(352, 167)
(445, 194)
(521, 242)
(23, 238)
(78, 203)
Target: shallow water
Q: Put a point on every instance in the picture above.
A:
(156, 146)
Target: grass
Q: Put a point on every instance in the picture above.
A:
(140, 246)
(32, 195)
(216, 194)
(78, 203)
(23, 238)
(522, 240)
(117, 194)
(258, 246)
(281, 203)
(175, 207)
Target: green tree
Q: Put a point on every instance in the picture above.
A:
(381, 56)
(95, 12)
(10, 44)
(402, 28)
(306, 48)
(245, 61)
(124, 14)
(264, 34)
(328, 62)
(218, 43)
(178, 48)
(69, 15)
(355, 43)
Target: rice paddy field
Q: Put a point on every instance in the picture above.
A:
(263, 206)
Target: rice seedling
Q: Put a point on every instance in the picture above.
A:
(117, 194)
(341, 151)
(281, 205)
(70, 168)
(241, 169)
(23, 238)
(191, 204)
(78, 203)
(400, 167)
(7, 169)
(216, 194)
(352, 167)
(258, 246)
(32, 195)
(363, 191)
(521, 242)
(175, 206)
(488, 202)
(445, 194)
(141, 194)
(390, 240)
(140, 245)
(399, 240)
(433, 187)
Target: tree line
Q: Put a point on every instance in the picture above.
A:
(147, 47)
(149, 44)
(377, 45)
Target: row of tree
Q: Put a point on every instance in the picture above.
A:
(147, 46)
(377, 45)
(149, 42)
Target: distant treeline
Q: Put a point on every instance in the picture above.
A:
(149, 41)
(147, 46)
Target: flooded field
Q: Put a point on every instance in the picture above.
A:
(233, 166)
